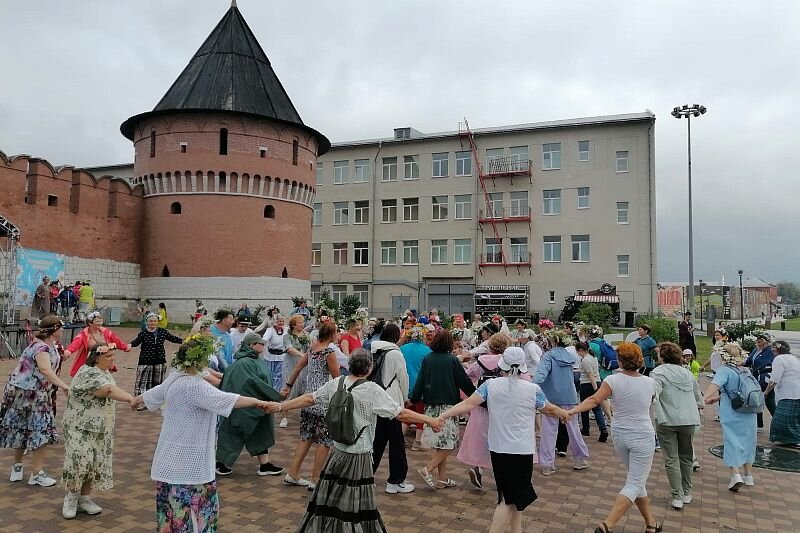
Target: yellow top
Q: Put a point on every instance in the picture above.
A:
(162, 318)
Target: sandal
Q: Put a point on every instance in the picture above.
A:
(653, 529)
(602, 528)
(446, 483)
(426, 477)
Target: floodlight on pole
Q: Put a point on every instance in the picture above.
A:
(686, 111)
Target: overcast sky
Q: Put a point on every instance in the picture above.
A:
(73, 71)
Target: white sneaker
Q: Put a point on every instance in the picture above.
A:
(548, 470)
(736, 483)
(41, 479)
(70, 508)
(748, 481)
(677, 503)
(284, 423)
(86, 505)
(581, 464)
(16, 472)
(399, 488)
(687, 499)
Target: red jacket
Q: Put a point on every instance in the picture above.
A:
(80, 347)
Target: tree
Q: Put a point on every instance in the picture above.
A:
(597, 314)
(790, 291)
(349, 306)
(662, 329)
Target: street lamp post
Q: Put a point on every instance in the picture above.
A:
(687, 112)
(701, 304)
(741, 298)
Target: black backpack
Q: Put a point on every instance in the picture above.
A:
(376, 374)
(487, 374)
(340, 419)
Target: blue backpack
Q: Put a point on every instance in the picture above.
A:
(608, 355)
(747, 397)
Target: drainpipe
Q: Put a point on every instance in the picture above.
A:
(372, 225)
(652, 214)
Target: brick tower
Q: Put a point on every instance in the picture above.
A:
(228, 169)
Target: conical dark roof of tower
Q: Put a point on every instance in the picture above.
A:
(231, 73)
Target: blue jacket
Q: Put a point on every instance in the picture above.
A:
(554, 376)
(761, 364)
(414, 352)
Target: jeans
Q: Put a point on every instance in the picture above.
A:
(587, 391)
(276, 368)
(769, 401)
(678, 452)
(635, 450)
(548, 439)
(390, 430)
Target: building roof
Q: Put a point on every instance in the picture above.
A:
(756, 283)
(229, 73)
(514, 128)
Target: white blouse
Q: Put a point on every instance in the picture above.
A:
(186, 449)
(786, 376)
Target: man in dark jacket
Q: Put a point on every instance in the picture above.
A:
(760, 363)
(252, 428)
(686, 333)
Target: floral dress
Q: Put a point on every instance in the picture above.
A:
(88, 432)
(312, 419)
(27, 416)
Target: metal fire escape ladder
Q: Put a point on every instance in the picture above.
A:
(465, 132)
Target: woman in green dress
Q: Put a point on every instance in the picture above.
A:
(89, 431)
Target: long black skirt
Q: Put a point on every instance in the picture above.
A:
(512, 475)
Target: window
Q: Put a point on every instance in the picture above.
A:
(320, 173)
(583, 150)
(410, 252)
(552, 202)
(340, 253)
(174, 209)
(361, 171)
(440, 207)
(183, 146)
(623, 266)
(463, 251)
(269, 211)
(361, 253)
(463, 163)
(410, 209)
(388, 211)
(463, 206)
(410, 167)
(315, 295)
(338, 292)
(440, 165)
(493, 250)
(340, 213)
(153, 143)
(494, 159)
(389, 169)
(495, 207)
(519, 250)
(362, 291)
(262, 152)
(552, 297)
(52, 200)
(388, 252)
(361, 212)
(402, 134)
(551, 156)
(439, 252)
(316, 219)
(223, 141)
(622, 212)
(295, 151)
(583, 197)
(316, 254)
(622, 161)
(340, 171)
(552, 249)
(519, 158)
(519, 204)
(580, 248)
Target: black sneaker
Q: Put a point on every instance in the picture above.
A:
(585, 433)
(562, 454)
(603, 436)
(223, 470)
(269, 469)
(476, 477)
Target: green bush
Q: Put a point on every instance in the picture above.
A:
(349, 306)
(600, 314)
(737, 332)
(662, 329)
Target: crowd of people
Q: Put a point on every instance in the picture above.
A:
(524, 394)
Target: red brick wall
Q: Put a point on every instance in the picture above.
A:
(79, 225)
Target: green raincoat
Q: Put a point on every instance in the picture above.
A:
(249, 375)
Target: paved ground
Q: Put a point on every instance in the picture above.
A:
(569, 501)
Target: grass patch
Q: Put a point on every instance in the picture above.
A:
(704, 344)
(793, 324)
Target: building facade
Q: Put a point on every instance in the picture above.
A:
(513, 218)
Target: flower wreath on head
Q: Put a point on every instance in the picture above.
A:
(104, 349)
(416, 333)
(195, 352)
(546, 323)
(558, 336)
(362, 314)
(323, 310)
(595, 331)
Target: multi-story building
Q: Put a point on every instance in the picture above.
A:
(516, 218)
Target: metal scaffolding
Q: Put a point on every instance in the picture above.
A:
(9, 243)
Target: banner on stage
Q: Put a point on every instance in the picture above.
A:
(32, 266)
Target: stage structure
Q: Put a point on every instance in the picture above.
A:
(9, 242)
